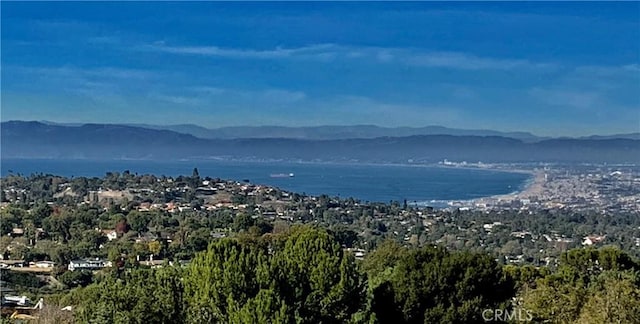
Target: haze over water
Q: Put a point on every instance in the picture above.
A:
(380, 183)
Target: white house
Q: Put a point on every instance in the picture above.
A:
(591, 240)
(45, 264)
(110, 234)
(89, 264)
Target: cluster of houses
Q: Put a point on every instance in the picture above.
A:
(173, 207)
(83, 264)
(5, 264)
(86, 264)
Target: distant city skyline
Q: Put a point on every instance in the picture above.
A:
(552, 69)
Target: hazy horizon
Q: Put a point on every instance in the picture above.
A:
(319, 126)
(566, 69)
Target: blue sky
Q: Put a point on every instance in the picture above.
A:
(548, 68)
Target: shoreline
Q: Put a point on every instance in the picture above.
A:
(490, 167)
(533, 187)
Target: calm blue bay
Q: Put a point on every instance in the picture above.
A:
(380, 183)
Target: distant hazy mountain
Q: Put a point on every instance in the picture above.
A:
(322, 132)
(331, 132)
(35, 139)
(635, 136)
(342, 132)
(38, 140)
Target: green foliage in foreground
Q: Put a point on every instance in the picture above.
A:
(590, 286)
(27, 280)
(140, 296)
(304, 276)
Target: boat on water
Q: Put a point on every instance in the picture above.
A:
(282, 175)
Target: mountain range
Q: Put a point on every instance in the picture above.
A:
(341, 132)
(332, 132)
(21, 139)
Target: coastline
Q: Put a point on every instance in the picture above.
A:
(533, 187)
(529, 186)
(489, 167)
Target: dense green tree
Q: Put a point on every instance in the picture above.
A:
(59, 225)
(21, 279)
(384, 258)
(266, 307)
(614, 297)
(226, 272)
(559, 296)
(6, 225)
(525, 276)
(345, 237)
(305, 277)
(590, 286)
(140, 296)
(432, 285)
(76, 278)
(316, 278)
(591, 260)
(197, 240)
(139, 221)
(39, 213)
(242, 222)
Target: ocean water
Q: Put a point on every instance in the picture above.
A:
(374, 183)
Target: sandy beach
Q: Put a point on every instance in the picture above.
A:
(534, 187)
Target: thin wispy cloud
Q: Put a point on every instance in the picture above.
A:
(612, 86)
(373, 111)
(283, 95)
(566, 98)
(105, 40)
(472, 62)
(176, 100)
(80, 72)
(98, 84)
(330, 52)
(265, 96)
(616, 71)
(59, 25)
(314, 51)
